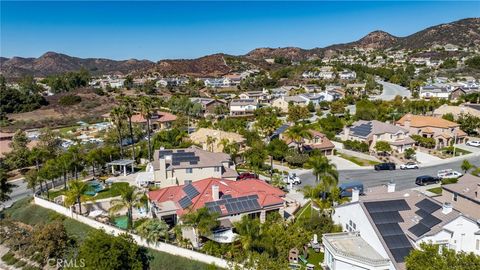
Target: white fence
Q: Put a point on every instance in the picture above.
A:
(163, 247)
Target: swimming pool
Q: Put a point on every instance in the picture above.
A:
(95, 187)
(121, 222)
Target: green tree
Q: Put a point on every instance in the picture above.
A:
(130, 197)
(128, 104)
(255, 156)
(49, 171)
(5, 186)
(18, 157)
(383, 147)
(297, 133)
(117, 114)
(201, 220)
(449, 117)
(466, 166)
(297, 113)
(409, 153)
(76, 193)
(321, 167)
(277, 149)
(429, 258)
(32, 179)
(153, 230)
(51, 241)
(146, 107)
(105, 252)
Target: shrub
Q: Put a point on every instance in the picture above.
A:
(447, 181)
(9, 258)
(69, 100)
(422, 141)
(296, 159)
(356, 146)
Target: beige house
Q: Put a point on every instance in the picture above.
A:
(373, 131)
(463, 195)
(211, 139)
(444, 132)
(182, 166)
(456, 111)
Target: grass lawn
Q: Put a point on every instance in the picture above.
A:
(358, 161)
(437, 190)
(64, 131)
(314, 258)
(113, 191)
(305, 211)
(26, 212)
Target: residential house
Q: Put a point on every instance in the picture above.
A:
(231, 200)
(182, 166)
(304, 99)
(209, 105)
(278, 92)
(158, 121)
(456, 111)
(450, 48)
(240, 107)
(374, 131)
(464, 195)
(347, 75)
(435, 91)
(394, 223)
(258, 96)
(172, 82)
(211, 139)
(319, 142)
(444, 132)
(214, 82)
(232, 79)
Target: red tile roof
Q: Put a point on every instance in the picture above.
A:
(267, 194)
(161, 117)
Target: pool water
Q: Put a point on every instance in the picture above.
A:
(95, 187)
(121, 222)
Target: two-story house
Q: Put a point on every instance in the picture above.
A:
(209, 105)
(258, 96)
(373, 131)
(444, 132)
(182, 166)
(243, 106)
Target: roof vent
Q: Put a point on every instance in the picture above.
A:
(447, 208)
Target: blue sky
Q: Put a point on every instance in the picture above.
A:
(160, 30)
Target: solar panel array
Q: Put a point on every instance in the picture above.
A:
(386, 216)
(191, 192)
(427, 221)
(362, 130)
(181, 156)
(235, 205)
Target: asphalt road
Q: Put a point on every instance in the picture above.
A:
(404, 179)
(390, 91)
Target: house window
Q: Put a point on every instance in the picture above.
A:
(189, 170)
(188, 182)
(216, 169)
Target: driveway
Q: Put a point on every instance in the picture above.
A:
(343, 164)
(425, 158)
(390, 91)
(469, 148)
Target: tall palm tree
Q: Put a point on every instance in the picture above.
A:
(210, 142)
(117, 114)
(202, 221)
(249, 232)
(146, 109)
(153, 230)
(298, 133)
(130, 197)
(128, 104)
(311, 193)
(321, 166)
(76, 193)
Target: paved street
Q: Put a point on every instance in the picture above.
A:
(391, 90)
(403, 179)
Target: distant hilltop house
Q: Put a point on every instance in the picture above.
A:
(182, 166)
(259, 96)
(241, 107)
(304, 99)
(158, 121)
(371, 132)
(393, 223)
(209, 105)
(435, 91)
(444, 132)
(226, 81)
(212, 139)
(347, 75)
(229, 199)
(172, 82)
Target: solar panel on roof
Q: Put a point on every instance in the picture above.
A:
(185, 202)
(430, 221)
(419, 229)
(397, 241)
(428, 206)
(399, 254)
(386, 217)
(387, 206)
(191, 191)
(227, 196)
(389, 229)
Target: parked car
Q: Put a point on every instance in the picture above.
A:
(292, 178)
(385, 166)
(473, 143)
(448, 173)
(427, 180)
(347, 188)
(409, 166)
(247, 175)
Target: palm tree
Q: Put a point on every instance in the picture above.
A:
(129, 108)
(130, 197)
(249, 232)
(76, 193)
(146, 109)
(64, 164)
(321, 166)
(202, 221)
(210, 142)
(117, 114)
(297, 133)
(153, 230)
(311, 193)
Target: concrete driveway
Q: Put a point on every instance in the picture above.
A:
(425, 158)
(390, 91)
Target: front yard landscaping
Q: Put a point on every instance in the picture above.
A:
(357, 160)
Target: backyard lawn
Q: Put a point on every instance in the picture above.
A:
(358, 161)
(112, 191)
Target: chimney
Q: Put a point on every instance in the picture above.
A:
(446, 208)
(215, 192)
(355, 195)
(391, 187)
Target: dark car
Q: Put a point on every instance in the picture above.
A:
(385, 166)
(247, 175)
(347, 188)
(427, 180)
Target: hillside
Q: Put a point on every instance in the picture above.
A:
(461, 33)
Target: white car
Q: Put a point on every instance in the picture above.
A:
(473, 143)
(409, 166)
(292, 179)
(448, 173)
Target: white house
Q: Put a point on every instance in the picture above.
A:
(243, 106)
(347, 75)
(434, 91)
